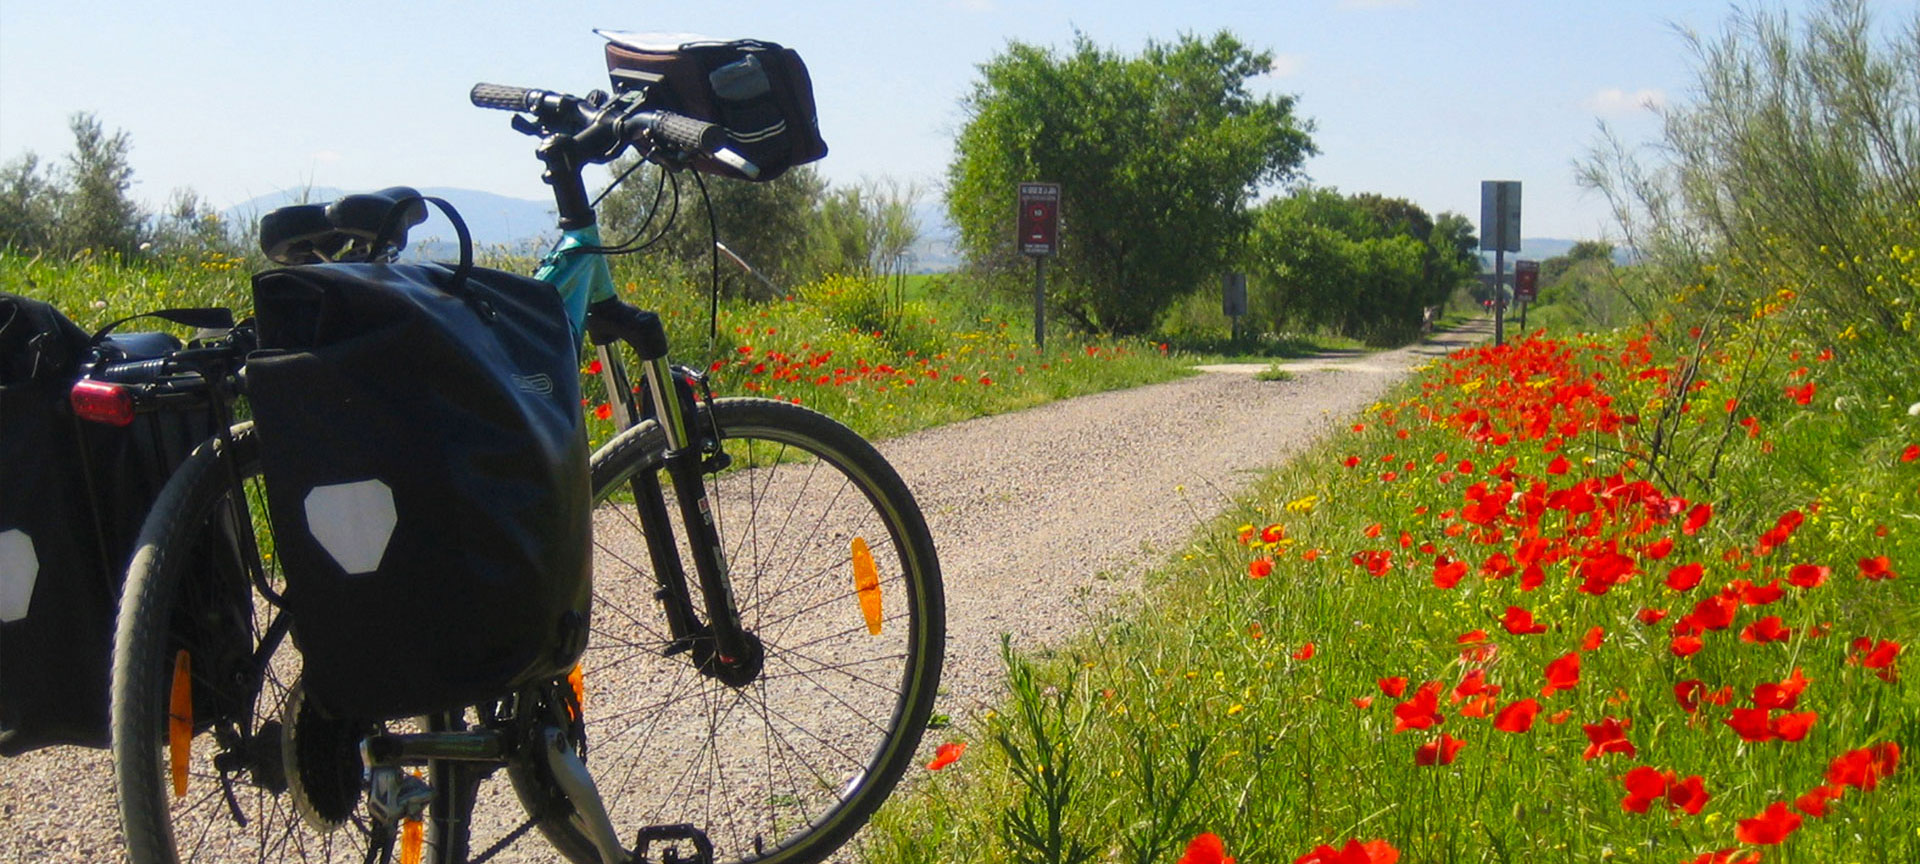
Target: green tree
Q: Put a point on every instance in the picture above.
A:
(866, 230)
(94, 210)
(1156, 154)
(1553, 269)
(29, 201)
(766, 224)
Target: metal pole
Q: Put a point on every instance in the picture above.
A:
(1039, 303)
(1500, 291)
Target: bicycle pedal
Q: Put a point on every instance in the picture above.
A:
(674, 834)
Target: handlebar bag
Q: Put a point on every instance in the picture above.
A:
(759, 91)
(425, 459)
(74, 496)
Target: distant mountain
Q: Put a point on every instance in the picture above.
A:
(1542, 248)
(494, 220)
(938, 249)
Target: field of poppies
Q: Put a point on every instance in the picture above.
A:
(1499, 620)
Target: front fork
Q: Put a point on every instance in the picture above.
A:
(721, 647)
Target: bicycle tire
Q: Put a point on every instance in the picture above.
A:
(667, 745)
(186, 589)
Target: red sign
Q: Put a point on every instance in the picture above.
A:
(1526, 280)
(1039, 218)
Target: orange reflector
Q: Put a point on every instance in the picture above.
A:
(578, 681)
(866, 581)
(180, 722)
(413, 837)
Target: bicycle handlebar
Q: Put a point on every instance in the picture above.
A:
(585, 119)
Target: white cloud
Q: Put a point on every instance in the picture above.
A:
(1286, 65)
(1616, 102)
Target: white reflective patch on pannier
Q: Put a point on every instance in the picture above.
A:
(19, 569)
(353, 522)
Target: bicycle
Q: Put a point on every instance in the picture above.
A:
(759, 714)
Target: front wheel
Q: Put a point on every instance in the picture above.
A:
(835, 576)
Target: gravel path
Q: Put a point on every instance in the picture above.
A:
(1042, 518)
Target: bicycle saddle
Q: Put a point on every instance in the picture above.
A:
(348, 229)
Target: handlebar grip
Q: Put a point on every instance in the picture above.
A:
(684, 133)
(505, 98)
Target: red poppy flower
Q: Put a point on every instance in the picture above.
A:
(947, 754)
(1256, 631)
(1685, 646)
(1520, 622)
(1685, 576)
(1394, 687)
(1697, 518)
(1645, 785)
(603, 411)
(1752, 724)
(1472, 637)
(1421, 711)
(1784, 695)
(1206, 849)
(1607, 736)
(1375, 529)
(1911, 453)
(1595, 637)
(1363, 702)
(1517, 717)
(1772, 826)
(1864, 768)
(1807, 575)
(1688, 693)
(1875, 655)
(1562, 674)
(1559, 465)
(1761, 595)
(1814, 803)
(1447, 572)
(1688, 795)
(1651, 617)
(1305, 652)
(1355, 852)
(1560, 716)
(1802, 394)
(1794, 727)
(1659, 549)
(1439, 752)
(1260, 568)
(1876, 568)
(1767, 629)
(1273, 533)
(1727, 856)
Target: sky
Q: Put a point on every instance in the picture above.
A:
(1418, 99)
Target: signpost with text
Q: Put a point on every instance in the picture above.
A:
(1039, 238)
(1526, 286)
(1499, 231)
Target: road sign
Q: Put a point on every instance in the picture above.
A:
(1526, 280)
(1233, 294)
(1039, 218)
(1500, 215)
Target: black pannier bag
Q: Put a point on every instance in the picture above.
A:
(72, 498)
(425, 459)
(759, 91)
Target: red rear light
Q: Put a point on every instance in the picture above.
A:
(101, 402)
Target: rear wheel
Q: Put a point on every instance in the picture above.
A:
(216, 757)
(836, 579)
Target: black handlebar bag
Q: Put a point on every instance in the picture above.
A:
(425, 460)
(759, 91)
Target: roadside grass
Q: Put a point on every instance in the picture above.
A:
(1482, 627)
(850, 348)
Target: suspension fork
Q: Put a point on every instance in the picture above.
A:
(672, 405)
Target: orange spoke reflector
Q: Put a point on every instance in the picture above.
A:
(866, 581)
(413, 837)
(180, 722)
(578, 681)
